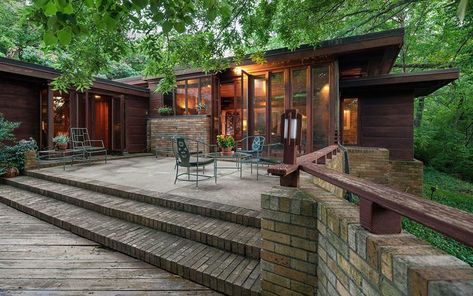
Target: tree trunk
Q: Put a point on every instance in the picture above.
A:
(419, 112)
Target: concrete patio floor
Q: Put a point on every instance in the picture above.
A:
(158, 175)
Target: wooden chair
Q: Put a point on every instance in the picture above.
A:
(84, 146)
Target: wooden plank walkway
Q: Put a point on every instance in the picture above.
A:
(37, 258)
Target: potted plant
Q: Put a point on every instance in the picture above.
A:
(201, 107)
(226, 144)
(61, 141)
(11, 171)
(165, 111)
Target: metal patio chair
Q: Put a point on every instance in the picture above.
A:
(84, 146)
(257, 146)
(185, 160)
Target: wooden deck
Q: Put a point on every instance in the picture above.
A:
(37, 258)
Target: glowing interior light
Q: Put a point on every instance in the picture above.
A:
(285, 128)
(293, 128)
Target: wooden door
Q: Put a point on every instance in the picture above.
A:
(102, 121)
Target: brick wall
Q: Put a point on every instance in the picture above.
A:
(373, 164)
(313, 244)
(162, 128)
(336, 163)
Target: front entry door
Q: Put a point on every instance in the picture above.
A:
(102, 121)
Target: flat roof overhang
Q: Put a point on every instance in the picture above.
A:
(389, 42)
(48, 73)
(421, 83)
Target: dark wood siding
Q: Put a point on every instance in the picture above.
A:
(19, 102)
(387, 121)
(136, 115)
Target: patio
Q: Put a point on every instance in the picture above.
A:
(158, 175)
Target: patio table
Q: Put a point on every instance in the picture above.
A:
(237, 157)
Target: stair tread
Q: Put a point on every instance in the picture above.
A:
(204, 207)
(211, 226)
(205, 264)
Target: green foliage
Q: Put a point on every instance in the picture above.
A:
(61, 139)
(452, 192)
(11, 152)
(225, 141)
(6, 131)
(165, 111)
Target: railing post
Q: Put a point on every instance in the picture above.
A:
(378, 220)
(291, 122)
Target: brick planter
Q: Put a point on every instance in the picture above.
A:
(160, 129)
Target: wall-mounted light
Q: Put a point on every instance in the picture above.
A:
(237, 70)
(97, 97)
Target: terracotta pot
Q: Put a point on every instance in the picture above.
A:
(227, 150)
(61, 146)
(11, 173)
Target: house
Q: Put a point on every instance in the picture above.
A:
(343, 88)
(112, 111)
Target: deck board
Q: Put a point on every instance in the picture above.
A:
(37, 258)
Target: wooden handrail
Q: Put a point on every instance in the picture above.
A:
(452, 222)
(319, 156)
(381, 207)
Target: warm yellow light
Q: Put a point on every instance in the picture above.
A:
(97, 97)
(346, 119)
(326, 88)
(245, 124)
(237, 70)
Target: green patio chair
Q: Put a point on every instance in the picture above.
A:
(185, 160)
(257, 146)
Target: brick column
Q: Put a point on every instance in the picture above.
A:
(289, 243)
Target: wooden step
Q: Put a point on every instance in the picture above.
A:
(206, 208)
(228, 236)
(217, 269)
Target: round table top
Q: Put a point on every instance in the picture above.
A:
(234, 154)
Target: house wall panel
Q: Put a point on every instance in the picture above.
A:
(19, 102)
(386, 120)
(136, 112)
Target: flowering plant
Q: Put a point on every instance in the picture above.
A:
(225, 141)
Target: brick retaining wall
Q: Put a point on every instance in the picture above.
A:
(194, 127)
(373, 164)
(313, 244)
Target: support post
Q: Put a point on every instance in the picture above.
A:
(291, 127)
(50, 117)
(379, 220)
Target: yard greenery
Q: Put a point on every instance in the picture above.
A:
(451, 192)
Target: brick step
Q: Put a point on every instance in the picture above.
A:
(206, 208)
(228, 236)
(220, 270)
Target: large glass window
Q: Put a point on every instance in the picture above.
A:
(193, 96)
(299, 101)
(61, 114)
(181, 98)
(350, 121)
(277, 105)
(260, 105)
(320, 106)
(206, 95)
